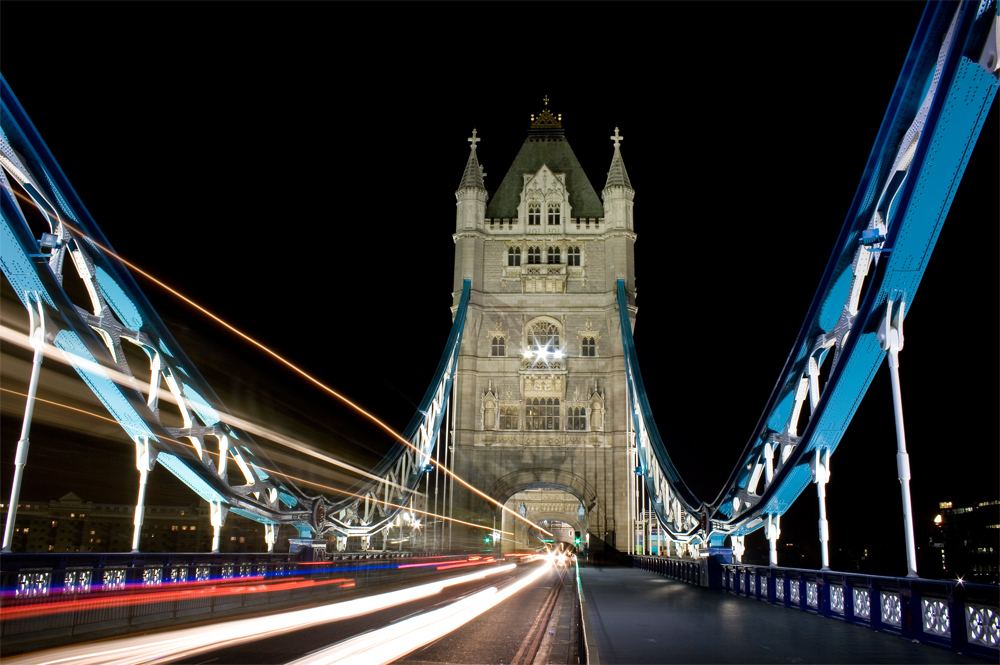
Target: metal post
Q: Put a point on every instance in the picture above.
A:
(453, 450)
(143, 463)
(269, 535)
(773, 530)
(21, 455)
(140, 507)
(821, 475)
(890, 337)
(631, 473)
(439, 507)
(215, 514)
(738, 548)
(426, 506)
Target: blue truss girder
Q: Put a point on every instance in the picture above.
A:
(92, 337)
(933, 120)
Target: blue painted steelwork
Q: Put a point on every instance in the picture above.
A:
(92, 337)
(934, 117)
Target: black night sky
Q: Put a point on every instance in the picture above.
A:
(292, 168)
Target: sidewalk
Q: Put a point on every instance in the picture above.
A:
(640, 617)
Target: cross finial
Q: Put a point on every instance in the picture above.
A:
(546, 100)
(616, 138)
(473, 140)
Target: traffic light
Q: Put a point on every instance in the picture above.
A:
(486, 539)
(576, 539)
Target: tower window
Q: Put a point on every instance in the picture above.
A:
(554, 256)
(541, 414)
(534, 216)
(514, 256)
(554, 216)
(543, 336)
(573, 256)
(588, 347)
(498, 347)
(508, 417)
(576, 419)
(534, 255)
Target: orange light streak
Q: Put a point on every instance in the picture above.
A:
(274, 471)
(21, 339)
(374, 500)
(292, 366)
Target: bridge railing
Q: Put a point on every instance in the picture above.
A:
(950, 614)
(62, 598)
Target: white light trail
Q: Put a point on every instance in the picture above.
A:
(122, 379)
(395, 641)
(164, 647)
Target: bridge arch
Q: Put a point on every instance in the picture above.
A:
(525, 479)
(546, 478)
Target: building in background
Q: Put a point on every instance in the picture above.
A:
(966, 543)
(74, 525)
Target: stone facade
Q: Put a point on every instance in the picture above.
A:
(540, 389)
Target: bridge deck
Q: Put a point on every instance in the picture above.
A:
(640, 617)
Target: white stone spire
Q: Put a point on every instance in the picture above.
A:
(473, 176)
(617, 175)
(618, 194)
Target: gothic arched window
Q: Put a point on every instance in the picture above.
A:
(541, 413)
(508, 417)
(514, 256)
(534, 215)
(576, 419)
(554, 216)
(534, 255)
(498, 347)
(588, 347)
(554, 256)
(543, 336)
(573, 256)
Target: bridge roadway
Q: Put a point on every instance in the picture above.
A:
(636, 616)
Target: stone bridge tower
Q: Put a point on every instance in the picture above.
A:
(540, 415)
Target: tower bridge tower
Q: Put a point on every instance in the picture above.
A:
(540, 412)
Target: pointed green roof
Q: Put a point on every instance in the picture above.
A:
(549, 147)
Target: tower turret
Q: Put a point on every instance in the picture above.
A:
(618, 193)
(470, 215)
(618, 197)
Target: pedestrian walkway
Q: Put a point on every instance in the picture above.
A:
(640, 617)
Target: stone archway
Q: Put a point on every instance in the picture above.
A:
(556, 479)
(545, 494)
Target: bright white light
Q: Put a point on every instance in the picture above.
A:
(542, 353)
(527, 353)
(158, 647)
(558, 354)
(396, 640)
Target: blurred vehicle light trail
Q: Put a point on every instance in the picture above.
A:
(164, 647)
(274, 354)
(396, 640)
